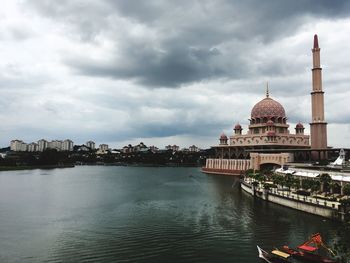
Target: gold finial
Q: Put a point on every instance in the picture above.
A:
(267, 89)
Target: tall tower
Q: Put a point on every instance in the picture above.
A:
(318, 124)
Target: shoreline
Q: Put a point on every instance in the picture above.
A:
(138, 165)
(28, 167)
(43, 167)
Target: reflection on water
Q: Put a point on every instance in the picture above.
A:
(134, 214)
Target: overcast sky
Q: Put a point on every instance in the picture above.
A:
(166, 72)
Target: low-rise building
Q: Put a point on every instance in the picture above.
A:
(140, 147)
(81, 148)
(174, 148)
(154, 148)
(103, 147)
(194, 148)
(127, 149)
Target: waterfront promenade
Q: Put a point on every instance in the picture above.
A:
(314, 204)
(317, 200)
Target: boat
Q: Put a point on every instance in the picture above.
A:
(304, 251)
(306, 256)
(276, 256)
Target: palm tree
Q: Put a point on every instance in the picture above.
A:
(289, 180)
(325, 180)
(307, 183)
(332, 186)
(296, 183)
(346, 189)
(249, 173)
(278, 179)
(257, 176)
(315, 186)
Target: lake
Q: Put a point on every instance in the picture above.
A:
(141, 214)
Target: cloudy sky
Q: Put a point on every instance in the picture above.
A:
(165, 72)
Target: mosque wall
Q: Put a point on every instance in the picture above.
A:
(287, 140)
(226, 166)
(236, 166)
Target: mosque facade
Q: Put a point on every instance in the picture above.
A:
(268, 139)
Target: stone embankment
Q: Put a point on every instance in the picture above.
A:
(329, 209)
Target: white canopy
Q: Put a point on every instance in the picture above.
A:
(341, 177)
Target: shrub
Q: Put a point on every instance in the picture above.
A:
(345, 201)
(346, 189)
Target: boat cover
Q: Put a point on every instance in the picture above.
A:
(280, 253)
(307, 248)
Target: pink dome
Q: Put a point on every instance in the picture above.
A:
(238, 127)
(299, 126)
(268, 108)
(223, 136)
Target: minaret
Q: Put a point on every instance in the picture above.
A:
(267, 90)
(318, 124)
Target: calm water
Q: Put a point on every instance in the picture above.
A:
(133, 214)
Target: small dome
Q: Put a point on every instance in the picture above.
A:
(223, 136)
(270, 123)
(299, 126)
(238, 127)
(268, 108)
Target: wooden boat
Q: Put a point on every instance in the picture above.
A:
(276, 257)
(306, 256)
(304, 252)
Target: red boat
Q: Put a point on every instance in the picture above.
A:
(306, 256)
(305, 250)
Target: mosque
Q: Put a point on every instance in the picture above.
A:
(268, 140)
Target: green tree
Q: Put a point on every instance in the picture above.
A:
(332, 186)
(325, 179)
(341, 244)
(50, 157)
(280, 180)
(296, 183)
(267, 186)
(346, 189)
(315, 186)
(255, 184)
(307, 183)
(289, 179)
(249, 172)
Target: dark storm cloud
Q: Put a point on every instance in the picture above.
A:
(174, 67)
(193, 41)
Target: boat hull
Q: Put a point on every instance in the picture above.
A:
(269, 258)
(306, 256)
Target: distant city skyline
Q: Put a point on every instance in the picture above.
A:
(164, 72)
(18, 145)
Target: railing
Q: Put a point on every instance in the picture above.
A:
(221, 171)
(306, 199)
